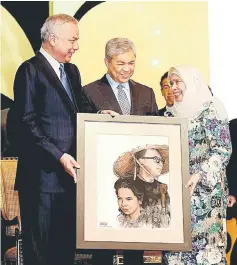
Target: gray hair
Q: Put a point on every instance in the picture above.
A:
(118, 46)
(52, 21)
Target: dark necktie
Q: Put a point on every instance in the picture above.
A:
(65, 82)
(123, 100)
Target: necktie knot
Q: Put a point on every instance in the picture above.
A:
(62, 72)
(61, 67)
(120, 86)
(65, 81)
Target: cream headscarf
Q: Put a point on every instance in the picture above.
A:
(195, 94)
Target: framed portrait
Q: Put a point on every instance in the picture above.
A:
(131, 185)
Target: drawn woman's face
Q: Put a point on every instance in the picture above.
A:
(129, 203)
(153, 163)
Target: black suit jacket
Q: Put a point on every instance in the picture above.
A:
(162, 111)
(101, 95)
(231, 170)
(42, 124)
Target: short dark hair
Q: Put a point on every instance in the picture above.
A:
(165, 75)
(136, 186)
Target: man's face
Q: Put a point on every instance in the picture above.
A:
(153, 163)
(167, 92)
(64, 42)
(121, 66)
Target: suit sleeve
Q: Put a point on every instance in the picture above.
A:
(231, 170)
(26, 115)
(85, 104)
(88, 105)
(154, 107)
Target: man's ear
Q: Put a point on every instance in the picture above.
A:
(52, 39)
(162, 92)
(106, 62)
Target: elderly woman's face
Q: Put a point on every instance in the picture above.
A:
(128, 202)
(178, 87)
(153, 163)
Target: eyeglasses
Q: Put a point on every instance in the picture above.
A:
(157, 159)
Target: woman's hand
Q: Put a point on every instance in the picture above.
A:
(193, 182)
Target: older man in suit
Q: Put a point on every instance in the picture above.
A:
(47, 92)
(117, 92)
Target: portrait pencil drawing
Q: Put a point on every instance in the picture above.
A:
(142, 199)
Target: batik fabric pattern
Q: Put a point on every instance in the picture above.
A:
(209, 153)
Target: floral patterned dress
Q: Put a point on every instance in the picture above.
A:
(209, 152)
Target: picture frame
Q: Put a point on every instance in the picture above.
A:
(110, 213)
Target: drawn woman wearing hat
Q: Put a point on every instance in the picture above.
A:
(148, 163)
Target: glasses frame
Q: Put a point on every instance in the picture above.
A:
(157, 159)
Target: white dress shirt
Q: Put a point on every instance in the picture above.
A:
(54, 63)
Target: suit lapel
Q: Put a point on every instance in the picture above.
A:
(108, 93)
(48, 71)
(134, 97)
(73, 84)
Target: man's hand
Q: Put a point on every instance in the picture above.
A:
(69, 164)
(231, 201)
(193, 182)
(111, 112)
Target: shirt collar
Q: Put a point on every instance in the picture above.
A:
(115, 84)
(54, 63)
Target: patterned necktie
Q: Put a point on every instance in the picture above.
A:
(123, 100)
(64, 81)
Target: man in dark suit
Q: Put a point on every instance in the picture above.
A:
(231, 173)
(47, 92)
(117, 92)
(167, 93)
(131, 98)
(231, 169)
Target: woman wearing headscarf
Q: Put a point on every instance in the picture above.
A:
(209, 153)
